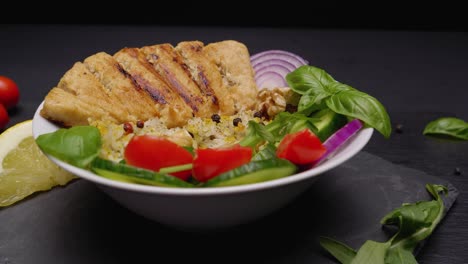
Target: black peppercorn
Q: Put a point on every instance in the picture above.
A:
(216, 118)
(258, 114)
(236, 121)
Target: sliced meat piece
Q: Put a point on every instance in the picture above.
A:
(233, 61)
(67, 109)
(168, 63)
(122, 87)
(83, 84)
(79, 97)
(174, 112)
(206, 74)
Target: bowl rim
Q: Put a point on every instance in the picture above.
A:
(40, 125)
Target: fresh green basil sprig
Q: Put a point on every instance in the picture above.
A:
(319, 90)
(415, 223)
(78, 145)
(448, 126)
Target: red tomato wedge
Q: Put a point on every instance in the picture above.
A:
(302, 147)
(154, 153)
(209, 163)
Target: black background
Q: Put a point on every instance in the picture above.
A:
(417, 69)
(381, 15)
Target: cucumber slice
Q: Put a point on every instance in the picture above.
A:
(126, 173)
(253, 172)
(268, 152)
(327, 123)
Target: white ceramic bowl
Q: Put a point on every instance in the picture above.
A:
(208, 208)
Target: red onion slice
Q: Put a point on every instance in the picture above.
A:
(270, 80)
(292, 58)
(271, 67)
(273, 62)
(338, 139)
(262, 76)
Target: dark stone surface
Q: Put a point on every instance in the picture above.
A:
(418, 76)
(80, 224)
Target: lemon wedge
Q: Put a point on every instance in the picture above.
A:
(24, 169)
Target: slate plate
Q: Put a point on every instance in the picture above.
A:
(80, 224)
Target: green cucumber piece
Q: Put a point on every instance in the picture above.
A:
(327, 123)
(268, 152)
(126, 173)
(253, 172)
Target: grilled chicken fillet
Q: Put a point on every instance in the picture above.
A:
(173, 84)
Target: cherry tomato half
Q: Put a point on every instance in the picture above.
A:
(9, 93)
(302, 147)
(4, 119)
(209, 163)
(154, 153)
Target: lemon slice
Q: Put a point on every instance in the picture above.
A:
(24, 169)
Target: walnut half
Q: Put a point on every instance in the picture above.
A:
(273, 101)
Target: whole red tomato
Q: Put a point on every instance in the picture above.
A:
(9, 93)
(4, 119)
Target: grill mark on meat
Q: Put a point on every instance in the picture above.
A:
(152, 91)
(129, 76)
(141, 83)
(189, 99)
(207, 89)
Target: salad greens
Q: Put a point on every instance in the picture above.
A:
(415, 223)
(448, 126)
(319, 90)
(284, 123)
(78, 145)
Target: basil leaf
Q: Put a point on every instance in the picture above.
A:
(416, 221)
(256, 134)
(306, 77)
(283, 124)
(371, 252)
(362, 106)
(78, 145)
(310, 103)
(340, 251)
(449, 126)
(400, 256)
(338, 87)
(286, 123)
(319, 90)
(413, 221)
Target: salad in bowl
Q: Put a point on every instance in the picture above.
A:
(301, 123)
